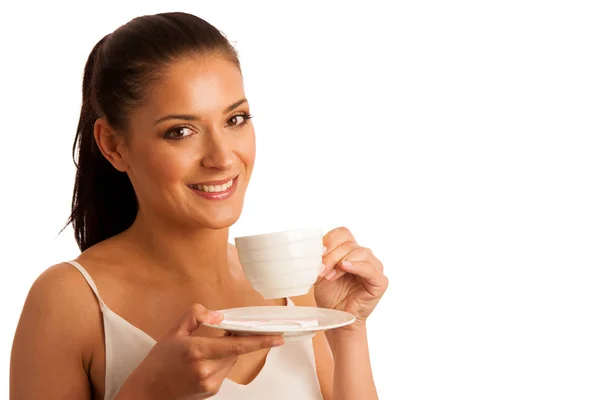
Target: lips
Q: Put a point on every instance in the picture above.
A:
(215, 190)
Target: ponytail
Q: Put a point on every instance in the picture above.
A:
(104, 202)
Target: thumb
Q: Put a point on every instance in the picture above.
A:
(192, 318)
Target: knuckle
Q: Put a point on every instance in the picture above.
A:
(237, 349)
(386, 282)
(194, 353)
(365, 252)
(203, 371)
(212, 386)
(351, 245)
(343, 230)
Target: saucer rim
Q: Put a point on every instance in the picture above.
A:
(350, 319)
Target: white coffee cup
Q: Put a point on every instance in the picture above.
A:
(282, 264)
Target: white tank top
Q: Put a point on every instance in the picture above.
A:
(289, 372)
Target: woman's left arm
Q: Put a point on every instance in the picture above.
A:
(352, 377)
(352, 362)
(353, 281)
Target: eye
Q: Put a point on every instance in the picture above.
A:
(238, 120)
(179, 132)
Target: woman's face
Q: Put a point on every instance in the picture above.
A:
(190, 146)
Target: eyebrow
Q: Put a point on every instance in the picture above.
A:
(187, 117)
(235, 105)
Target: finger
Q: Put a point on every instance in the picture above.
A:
(217, 370)
(338, 272)
(358, 254)
(375, 281)
(211, 374)
(336, 237)
(234, 346)
(192, 318)
(370, 257)
(334, 256)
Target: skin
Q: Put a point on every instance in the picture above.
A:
(178, 244)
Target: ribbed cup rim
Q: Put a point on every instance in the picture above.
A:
(251, 242)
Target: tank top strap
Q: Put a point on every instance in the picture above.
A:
(90, 282)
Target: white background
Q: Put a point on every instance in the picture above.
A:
(459, 140)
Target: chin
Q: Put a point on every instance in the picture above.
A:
(216, 214)
(220, 220)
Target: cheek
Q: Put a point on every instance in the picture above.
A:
(163, 167)
(246, 149)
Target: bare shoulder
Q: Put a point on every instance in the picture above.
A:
(58, 302)
(61, 283)
(63, 274)
(52, 343)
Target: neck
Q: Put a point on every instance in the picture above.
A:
(196, 255)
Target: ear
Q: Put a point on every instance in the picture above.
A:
(110, 144)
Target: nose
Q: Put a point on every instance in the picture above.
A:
(218, 152)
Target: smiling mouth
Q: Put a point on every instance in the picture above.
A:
(215, 190)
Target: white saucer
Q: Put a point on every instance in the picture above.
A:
(293, 322)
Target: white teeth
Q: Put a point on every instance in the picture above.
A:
(214, 188)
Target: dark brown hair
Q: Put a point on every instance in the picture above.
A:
(120, 69)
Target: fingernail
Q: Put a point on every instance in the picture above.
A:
(346, 264)
(278, 342)
(322, 270)
(215, 314)
(330, 275)
(324, 249)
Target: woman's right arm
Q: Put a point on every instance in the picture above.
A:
(52, 346)
(47, 359)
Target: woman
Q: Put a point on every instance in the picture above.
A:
(165, 153)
